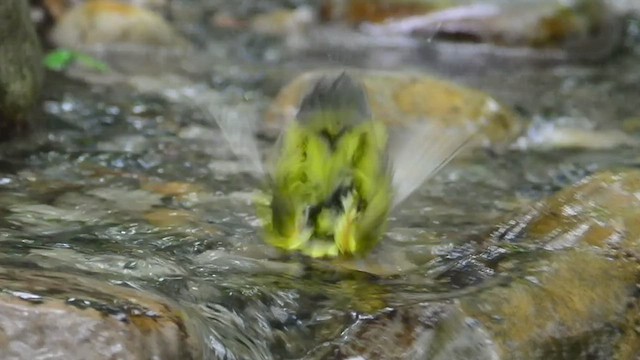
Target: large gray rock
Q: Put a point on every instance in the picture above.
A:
(20, 66)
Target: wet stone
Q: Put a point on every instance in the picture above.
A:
(600, 211)
(431, 331)
(400, 98)
(570, 291)
(577, 295)
(62, 316)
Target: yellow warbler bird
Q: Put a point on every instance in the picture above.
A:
(337, 173)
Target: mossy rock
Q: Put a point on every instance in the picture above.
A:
(21, 68)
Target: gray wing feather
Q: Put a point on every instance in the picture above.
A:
(418, 151)
(238, 128)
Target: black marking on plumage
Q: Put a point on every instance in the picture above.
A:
(338, 94)
(312, 215)
(334, 203)
(332, 139)
(281, 209)
(335, 200)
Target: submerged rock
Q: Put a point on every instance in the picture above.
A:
(20, 67)
(568, 305)
(600, 211)
(68, 317)
(435, 331)
(575, 295)
(401, 98)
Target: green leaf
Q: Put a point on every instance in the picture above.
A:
(61, 59)
(58, 60)
(91, 62)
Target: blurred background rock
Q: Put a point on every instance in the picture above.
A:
(20, 68)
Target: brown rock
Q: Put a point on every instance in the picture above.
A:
(544, 23)
(568, 304)
(577, 295)
(357, 11)
(168, 218)
(572, 294)
(172, 188)
(70, 317)
(600, 211)
(400, 98)
(545, 29)
(104, 22)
